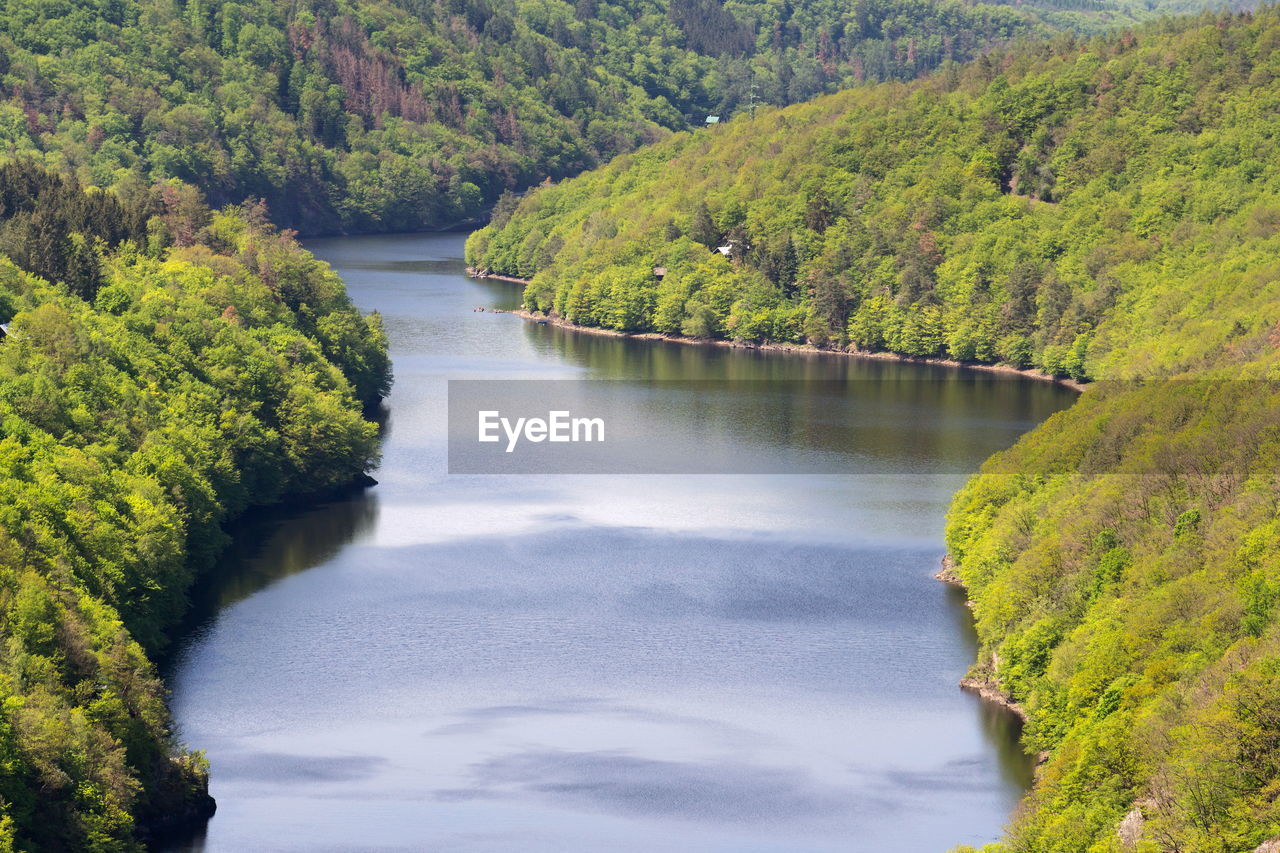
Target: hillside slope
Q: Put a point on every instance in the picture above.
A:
(1038, 207)
(1108, 210)
(366, 115)
(191, 366)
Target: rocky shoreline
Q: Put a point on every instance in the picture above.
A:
(990, 691)
(984, 686)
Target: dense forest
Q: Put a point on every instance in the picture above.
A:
(1106, 209)
(369, 115)
(1124, 564)
(164, 368)
(1047, 207)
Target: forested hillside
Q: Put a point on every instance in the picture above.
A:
(173, 367)
(1106, 209)
(367, 115)
(1047, 207)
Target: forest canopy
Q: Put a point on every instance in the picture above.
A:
(165, 367)
(378, 115)
(1072, 206)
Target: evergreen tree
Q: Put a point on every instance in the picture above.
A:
(704, 228)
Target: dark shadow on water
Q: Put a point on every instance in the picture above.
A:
(266, 546)
(192, 843)
(1001, 727)
(503, 295)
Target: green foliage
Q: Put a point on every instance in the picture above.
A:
(1139, 635)
(224, 372)
(403, 114)
(1075, 206)
(1259, 595)
(54, 229)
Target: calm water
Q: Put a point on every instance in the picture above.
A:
(591, 663)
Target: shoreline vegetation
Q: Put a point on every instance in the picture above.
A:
(985, 686)
(165, 369)
(797, 349)
(1103, 210)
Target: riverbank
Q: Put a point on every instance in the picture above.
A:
(122, 542)
(808, 349)
(985, 687)
(472, 272)
(800, 349)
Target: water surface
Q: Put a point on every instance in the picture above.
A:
(590, 663)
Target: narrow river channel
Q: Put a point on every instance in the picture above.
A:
(605, 663)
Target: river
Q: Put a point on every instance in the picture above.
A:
(588, 663)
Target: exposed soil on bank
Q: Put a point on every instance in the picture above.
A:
(984, 686)
(991, 692)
